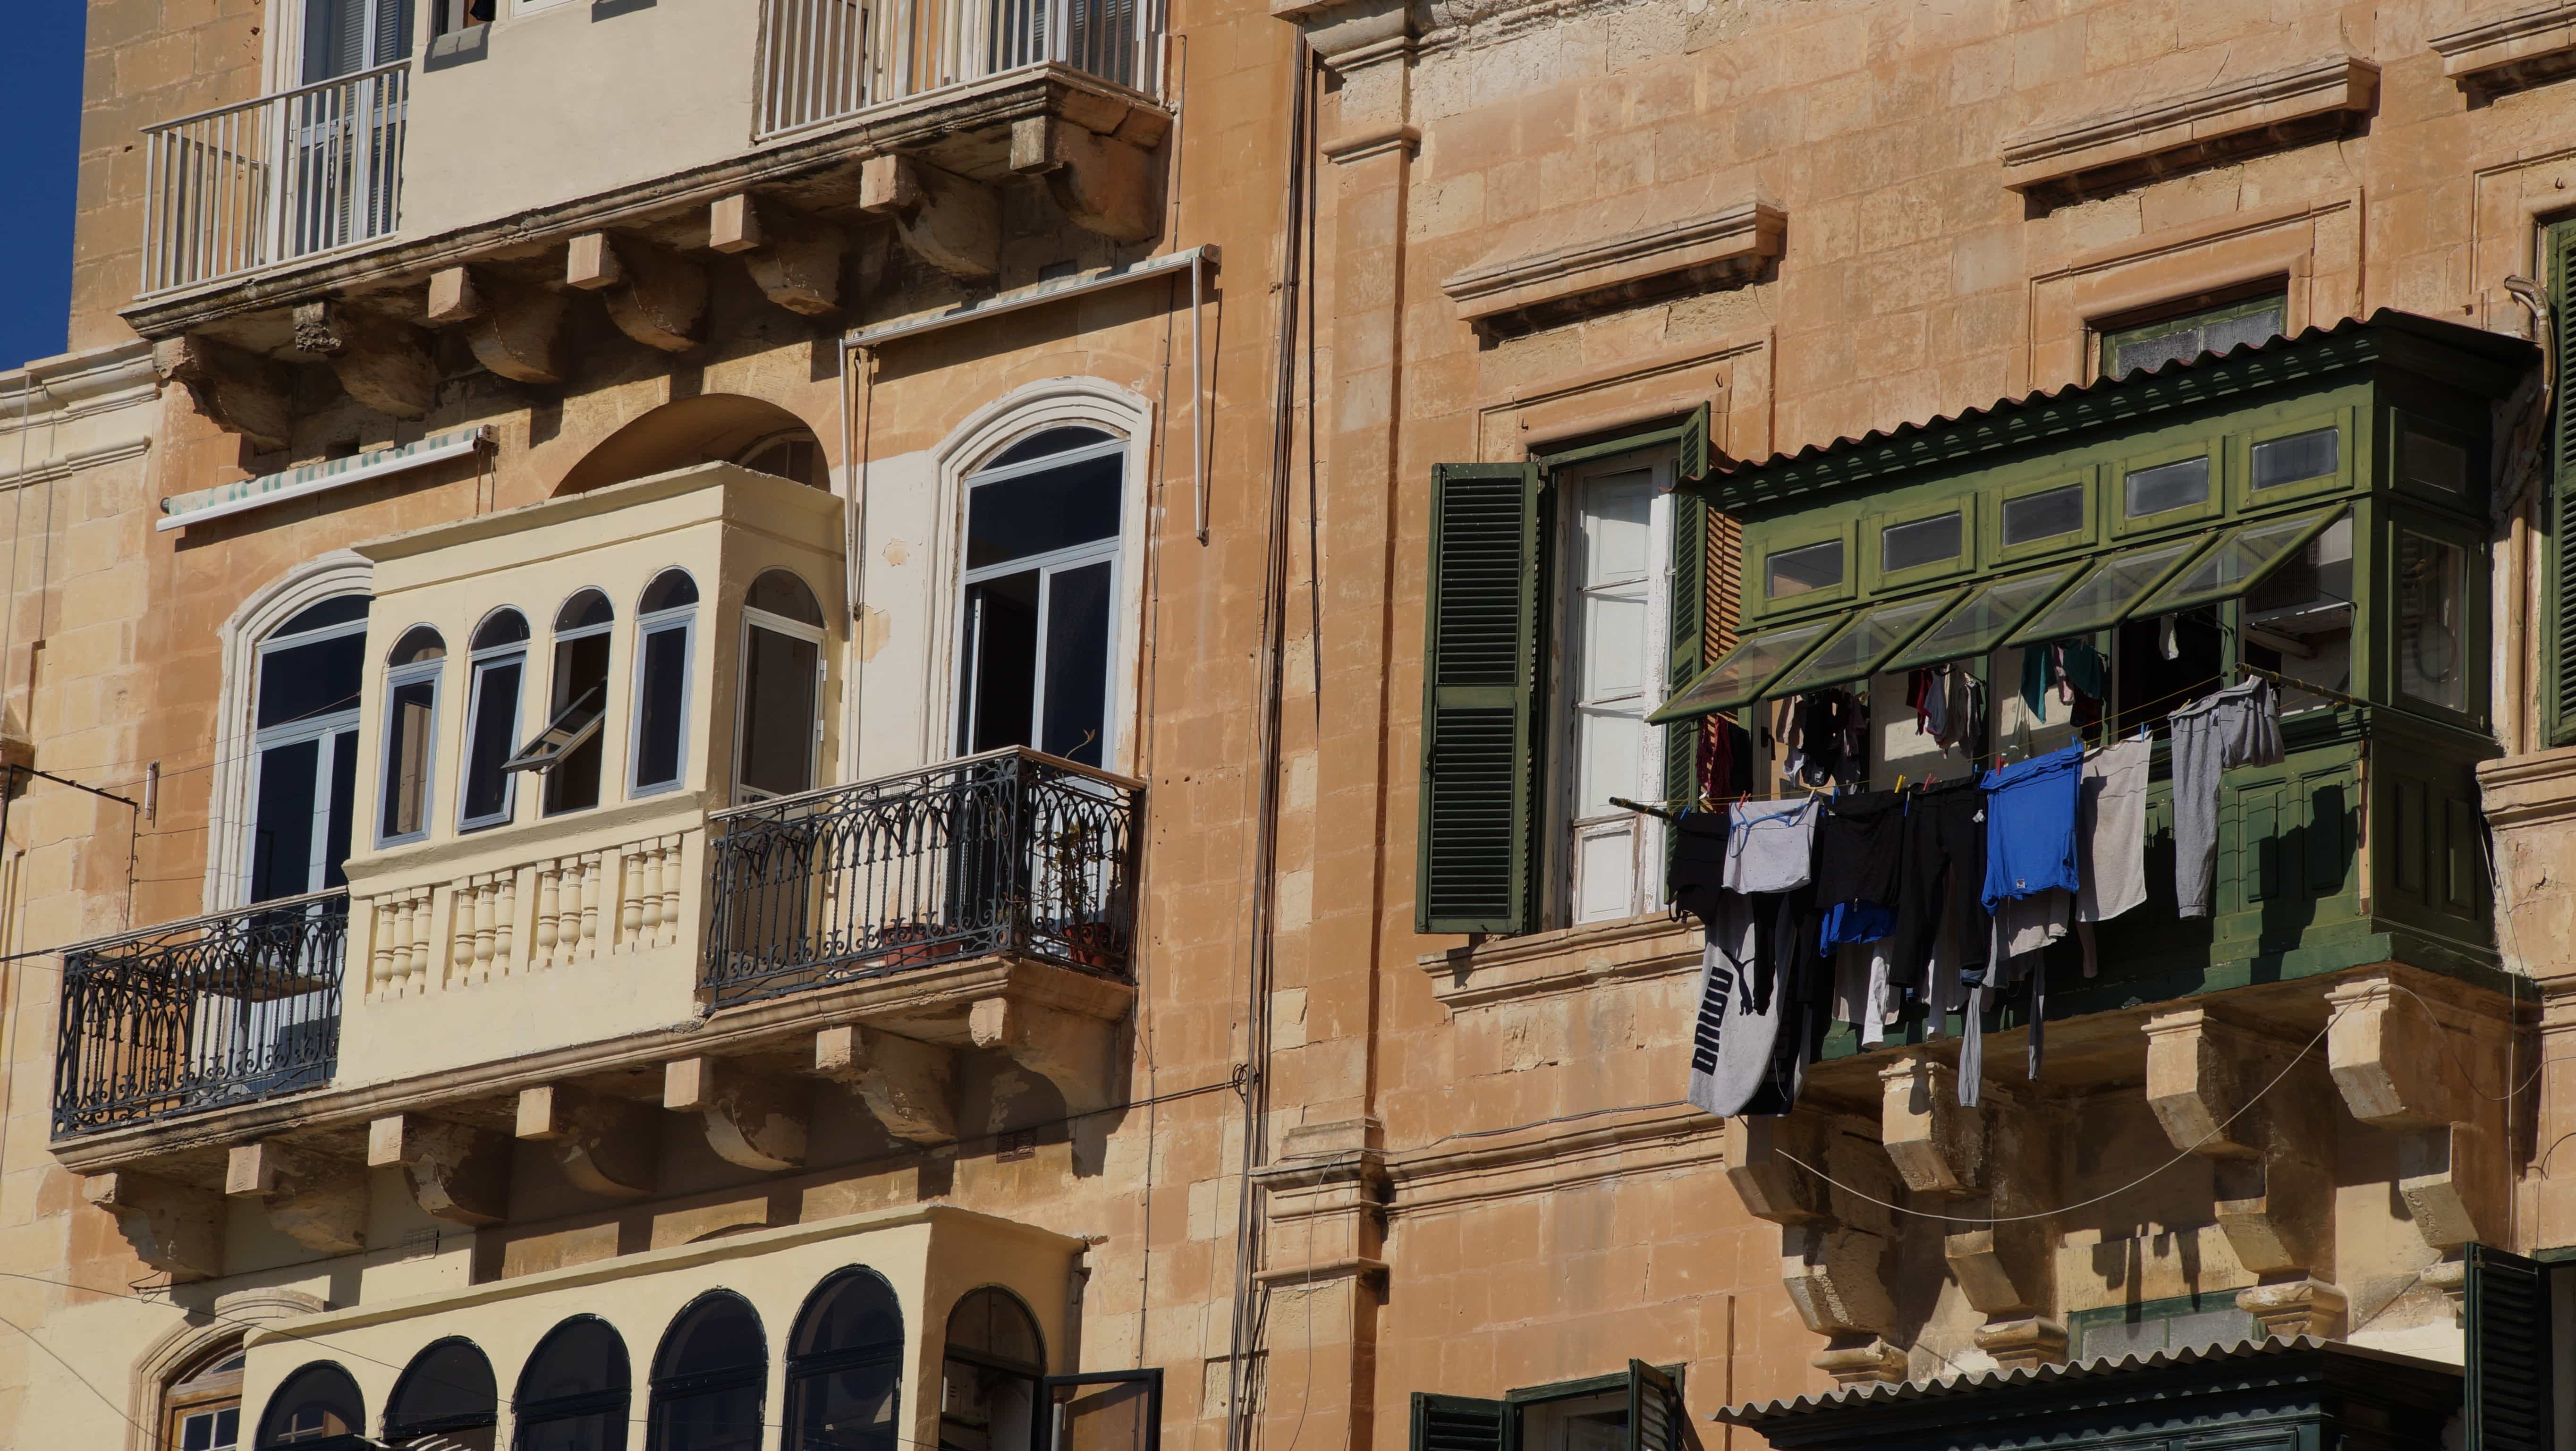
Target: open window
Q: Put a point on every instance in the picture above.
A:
(1109, 1410)
(411, 734)
(568, 749)
(666, 632)
(779, 733)
(845, 1366)
(1638, 1409)
(499, 671)
(304, 748)
(990, 1377)
(573, 1393)
(445, 1401)
(1038, 621)
(708, 1377)
(318, 1408)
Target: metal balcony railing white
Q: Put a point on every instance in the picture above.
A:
(821, 60)
(243, 187)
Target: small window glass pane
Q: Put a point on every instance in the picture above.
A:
(2102, 596)
(507, 627)
(1796, 571)
(669, 590)
(1850, 654)
(407, 748)
(661, 706)
(2432, 463)
(1033, 514)
(1077, 663)
(1924, 541)
(584, 610)
(2168, 486)
(1051, 441)
(2238, 563)
(337, 610)
(2210, 330)
(1740, 674)
(2432, 619)
(496, 729)
(1980, 620)
(2044, 515)
(782, 594)
(778, 712)
(304, 682)
(2310, 455)
(419, 644)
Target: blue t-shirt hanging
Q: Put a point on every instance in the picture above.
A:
(2030, 825)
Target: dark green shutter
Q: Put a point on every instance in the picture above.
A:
(1654, 1410)
(1689, 608)
(2508, 1390)
(1460, 1423)
(1693, 451)
(2558, 515)
(1485, 639)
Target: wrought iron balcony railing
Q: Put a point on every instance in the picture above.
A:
(242, 187)
(1009, 852)
(821, 60)
(194, 1015)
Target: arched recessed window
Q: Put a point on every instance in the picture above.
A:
(781, 727)
(1038, 621)
(573, 1393)
(990, 1378)
(201, 1411)
(666, 632)
(793, 453)
(567, 751)
(304, 748)
(411, 733)
(445, 1401)
(845, 1366)
(317, 1409)
(500, 664)
(707, 1378)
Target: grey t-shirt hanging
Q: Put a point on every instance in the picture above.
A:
(1771, 848)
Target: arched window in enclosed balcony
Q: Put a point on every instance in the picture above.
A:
(573, 1393)
(990, 1378)
(500, 667)
(304, 748)
(1037, 623)
(845, 1366)
(780, 731)
(708, 1377)
(316, 1409)
(666, 634)
(201, 1409)
(411, 734)
(568, 750)
(445, 1401)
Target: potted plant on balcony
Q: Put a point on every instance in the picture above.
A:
(1073, 856)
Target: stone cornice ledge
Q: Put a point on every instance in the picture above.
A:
(1536, 1158)
(1572, 960)
(2519, 50)
(1538, 287)
(2281, 108)
(2530, 790)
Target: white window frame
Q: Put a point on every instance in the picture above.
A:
(396, 678)
(478, 664)
(607, 705)
(1567, 831)
(1111, 547)
(684, 620)
(743, 792)
(320, 729)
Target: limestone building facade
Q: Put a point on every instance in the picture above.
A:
(780, 723)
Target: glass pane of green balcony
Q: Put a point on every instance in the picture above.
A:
(1860, 645)
(2240, 562)
(2103, 596)
(1981, 619)
(1741, 673)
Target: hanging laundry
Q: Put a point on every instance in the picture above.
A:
(1831, 738)
(1725, 760)
(1943, 877)
(1696, 877)
(2111, 836)
(1858, 845)
(2237, 726)
(2038, 668)
(1758, 1001)
(1925, 697)
(1964, 709)
(2030, 826)
(1770, 845)
(2081, 671)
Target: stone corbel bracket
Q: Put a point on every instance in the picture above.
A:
(317, 1200)
(238, 391)
(656, 297)
(1104, 184)
(795, 260)
(606, 1146)
(456, 1172)
(1832, 1244)
(2397, 1050)
(944, 219)
(753, 1119)
(387, 365)
(1073, 1051)
(2274, 1197)
(911, 1086)
(514, 328)
(2001, 1258)
(175, 1228)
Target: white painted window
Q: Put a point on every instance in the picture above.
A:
(411, 734)
(1039, 620)
(304, 745)
(344, 37)
(666, 630)
(780, 728)
(1614, 556)
(500, 668)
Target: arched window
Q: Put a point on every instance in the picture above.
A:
(845, 1366)
(500, 663)
(707, 1378)
(573, 1394)
(304, 745)
(793, 453)
(568, 751)
(411, 733)
(317, 1409)
(1038, 621)
(781, 729)
(445, 1401)
(666, 630)
(990, 1379)
(201, 1411)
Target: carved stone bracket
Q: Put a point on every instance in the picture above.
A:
(2396, 1056)
(2024, 1343)
(795, 260)
(2274, 1190)
(655, 297)
(1104, 184)
(607, 1146)
(175, 1228)
(1938, 1146)
(456, 1172)
(319, 1201)
(515, 330)
(947, 221)
(909, 1085)
(1832, 1244)
(386, 365)
(1069, 1050)
(239, 392)
(753, 1119)
(2292, 1308)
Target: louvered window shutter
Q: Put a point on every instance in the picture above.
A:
(1654, 1410)
(391, 40)
(2558, 628)
(1482, 738)
(1459, 1423)
(2508, 1390)
(1690, 586)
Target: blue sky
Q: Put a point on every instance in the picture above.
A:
(40, 80)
